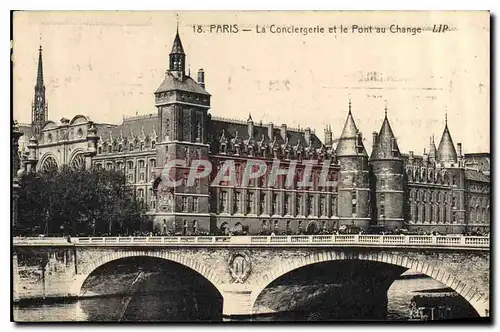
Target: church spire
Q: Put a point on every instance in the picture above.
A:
(39, 107)
(39, 76)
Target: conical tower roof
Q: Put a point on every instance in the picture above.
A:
(346, 145)
(386, 147)
(446, 151)
(177, 46)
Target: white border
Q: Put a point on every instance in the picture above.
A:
(6, 5)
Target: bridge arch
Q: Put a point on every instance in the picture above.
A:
(213, 277)
(470, 293)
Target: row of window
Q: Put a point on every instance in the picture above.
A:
(430, 196)
(253, 206)
(298, 180)
(120, 165)
(109, 148)
(429, 176)
(428, 212)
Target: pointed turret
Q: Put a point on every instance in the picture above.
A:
(446, 152)
(177, 58)
(386, 146)
(353, 193)
(387, 180)
(39, 107)
(350, 141)
(432, 150)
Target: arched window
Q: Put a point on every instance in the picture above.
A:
(49, 164)
(131, 147)
(78, 161)
(99, 149)
(153, 144)
(110, 148)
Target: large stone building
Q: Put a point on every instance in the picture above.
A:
(442, 190)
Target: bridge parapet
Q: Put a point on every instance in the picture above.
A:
(358, 240)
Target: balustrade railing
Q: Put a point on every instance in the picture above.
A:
(355, 240)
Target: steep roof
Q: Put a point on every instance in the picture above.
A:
(386, 147)
(177, 46)
(474, 175)
(346, 145)
(446, 151)
(170, 83)
(230, 128)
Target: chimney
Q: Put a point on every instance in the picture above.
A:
(328, 136)
(307, 135)
(375, 137)
(283, 131)
(270, 131)
(201, 78)
(459, 148)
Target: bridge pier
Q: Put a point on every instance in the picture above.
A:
(237, 302)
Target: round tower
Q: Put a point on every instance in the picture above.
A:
(353, 201)
(387, 179)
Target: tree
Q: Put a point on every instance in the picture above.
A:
(78, 201)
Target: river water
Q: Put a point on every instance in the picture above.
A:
(165, 306)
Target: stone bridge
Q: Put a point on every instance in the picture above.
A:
(241, 267)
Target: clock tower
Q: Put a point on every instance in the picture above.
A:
(183, 105)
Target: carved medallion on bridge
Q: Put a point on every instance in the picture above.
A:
(240, 267)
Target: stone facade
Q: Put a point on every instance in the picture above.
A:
(442, 190)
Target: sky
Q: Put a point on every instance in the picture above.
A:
(106, 65)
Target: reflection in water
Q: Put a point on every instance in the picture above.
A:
(163, 306)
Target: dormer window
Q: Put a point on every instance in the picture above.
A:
(394, 147)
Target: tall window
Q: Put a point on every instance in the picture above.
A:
(322, 206)
(184, 204)
(334, 206)
(310, 205)
(382, 204)
(167, 127)
(354, 201)
(195, 204)
(140, 197)
(298, 204)
(250, 202)
(274, 204)
(287, 204)
(262, 203)
(223, 201)
(195, 226)
(237, 199)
